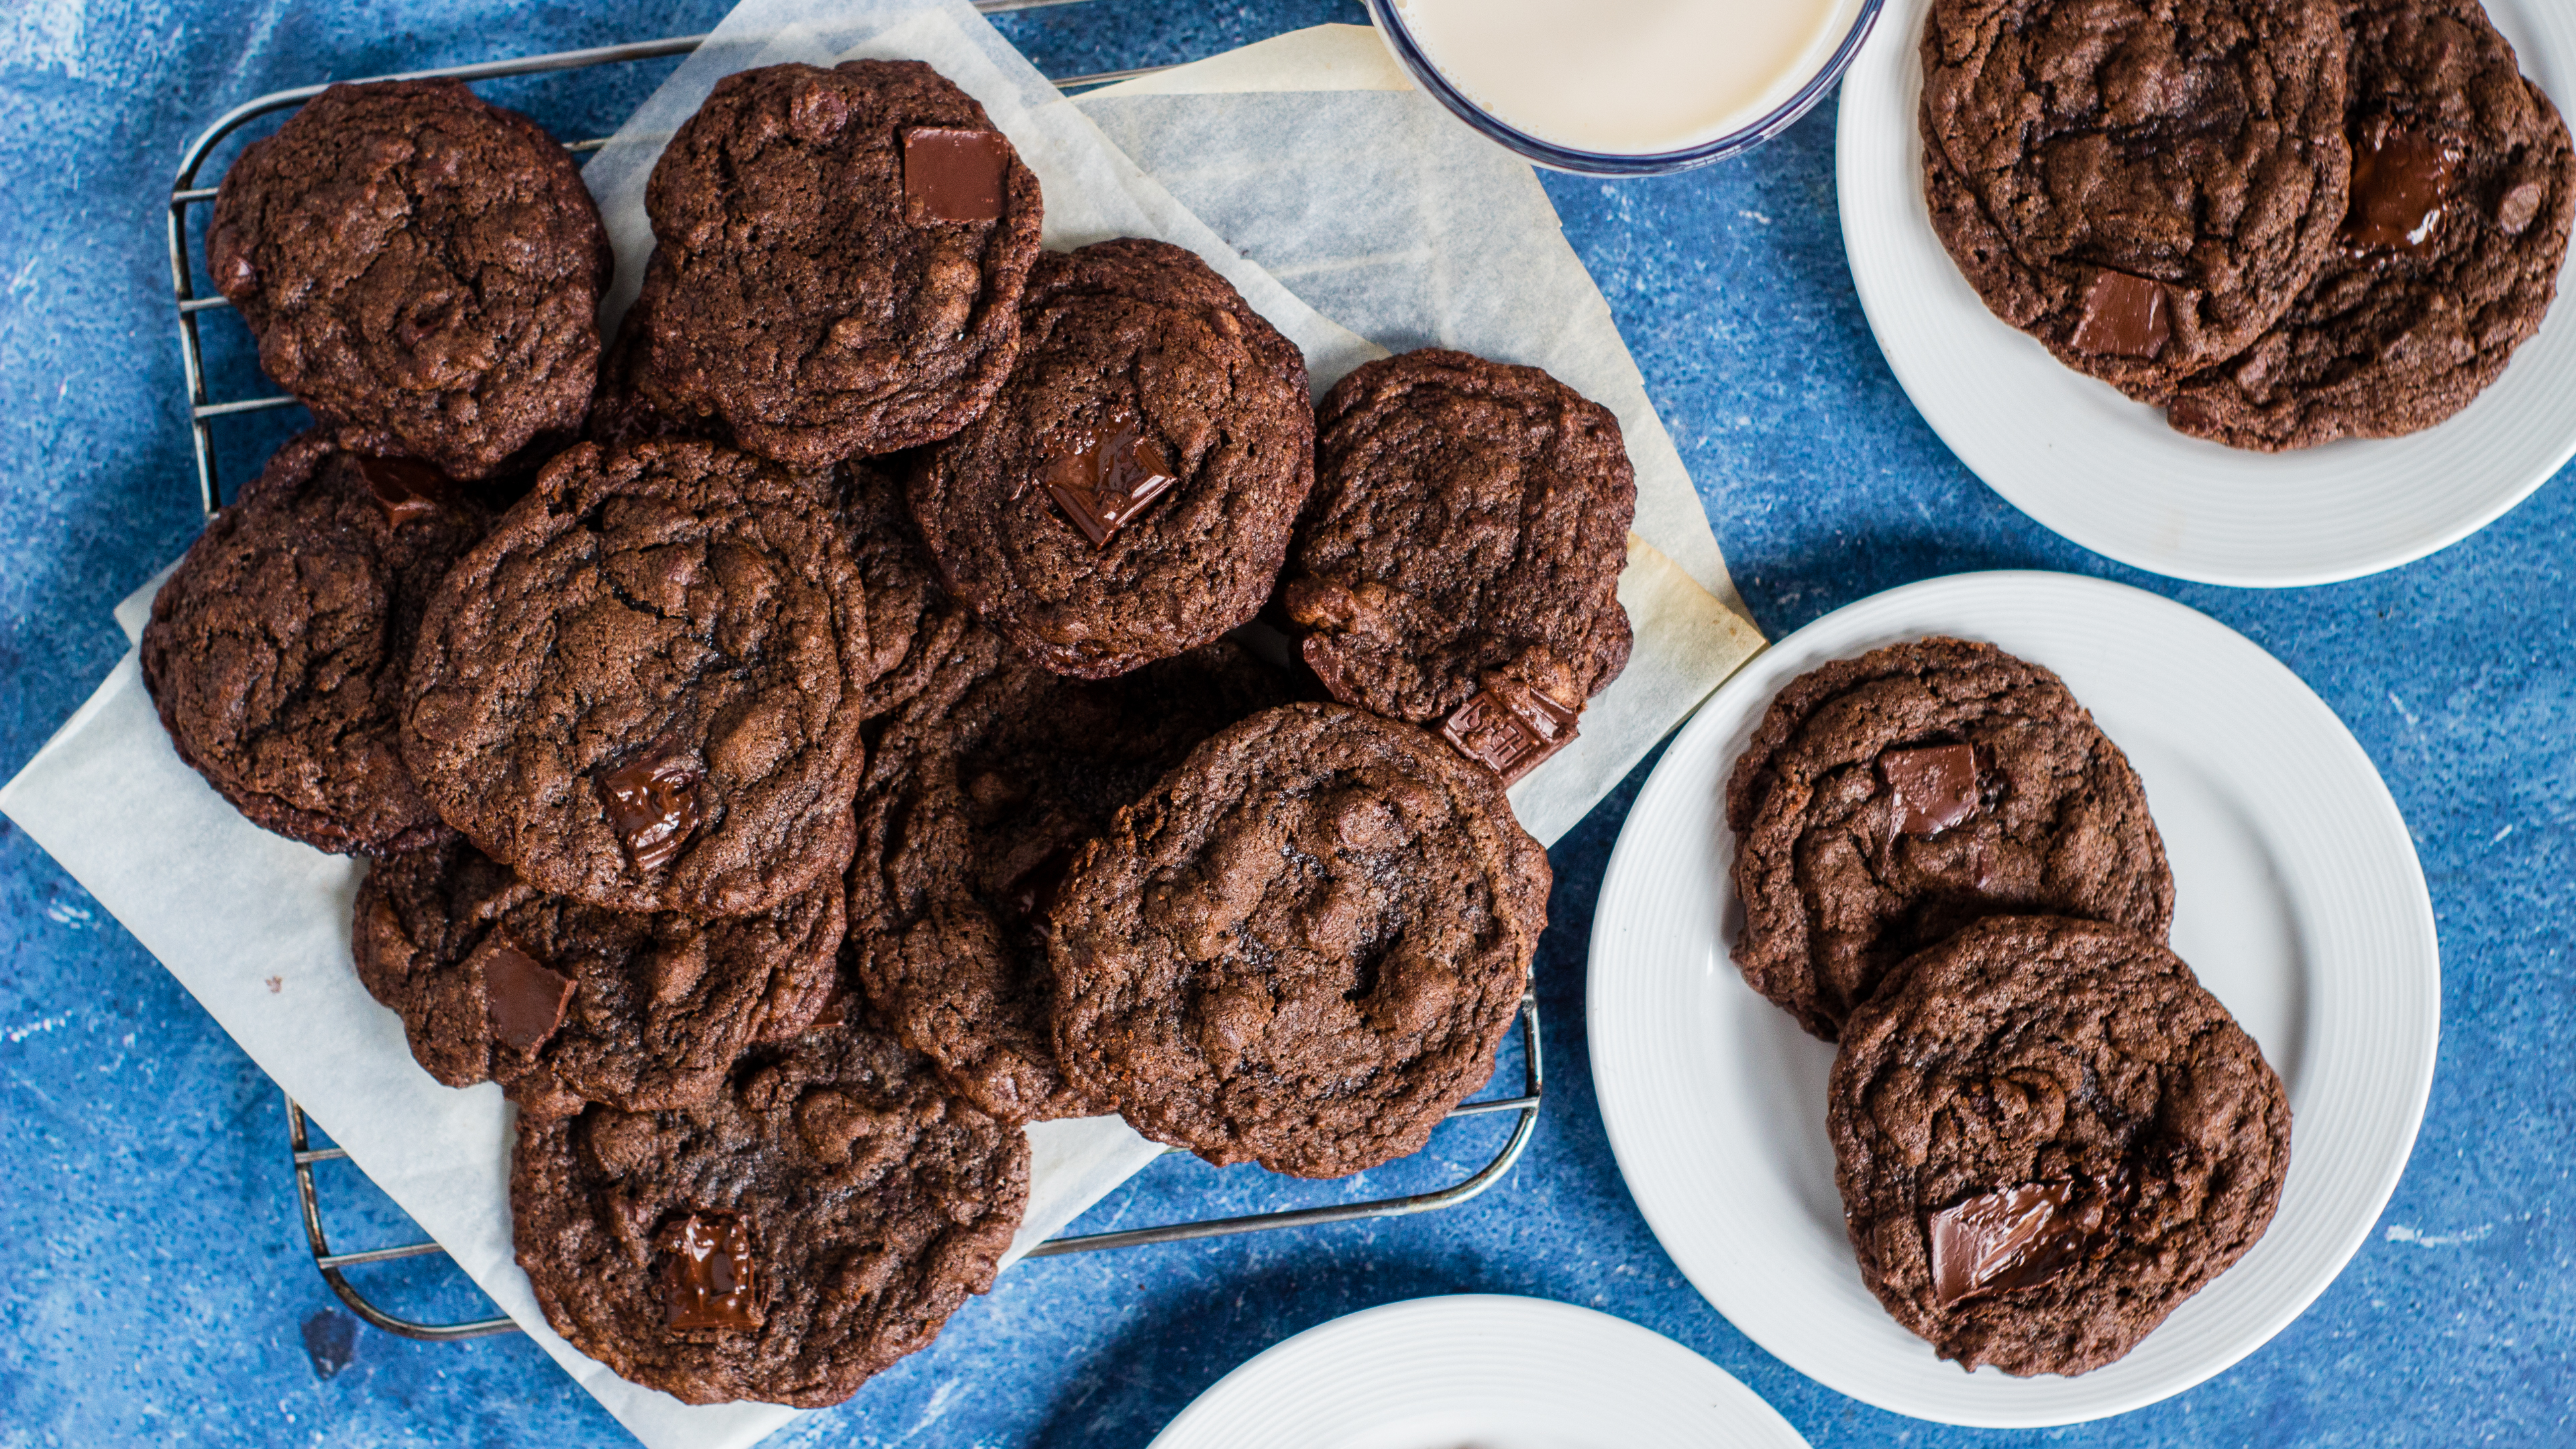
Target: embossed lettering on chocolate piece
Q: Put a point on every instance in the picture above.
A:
(2124, 316)
(951, 174)
(706, 1272)
(653, 804)
(2401, 183)
(1108, 479)
(1935, 786)
(1508, 728)
(523, 998)
(407, 491)
(2010, 1238)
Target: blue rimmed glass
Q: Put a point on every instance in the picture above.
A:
(1390, 26)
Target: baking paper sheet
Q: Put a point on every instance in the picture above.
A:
(1433, 238)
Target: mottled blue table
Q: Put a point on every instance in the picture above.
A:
(156, 1287)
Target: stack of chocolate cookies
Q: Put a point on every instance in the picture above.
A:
(2047, 1135)
(846, 751)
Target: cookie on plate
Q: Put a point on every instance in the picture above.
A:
(838, 260)
(643, 689)
(2142, 185)
(1130, 494)
(2047, 1135)
(2463, 187)
(1303, 948)
(977, 797)
(786, 1239)
(1886, 801)
(496, 980)
(422, 269)
(275, 654)
(1461, 552)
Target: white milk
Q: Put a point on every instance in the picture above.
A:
(1626, 77)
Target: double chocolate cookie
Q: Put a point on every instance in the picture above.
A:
(1303, 948)
(801, 1230)
(914, 627)
(643, 690)
(421, 269)
(1130, 494)
(1460, 555)
(978, 796)
(2463, 187)
(2047, 1136)
(275, 654)
(838, 260)
(1888, 800)
(496, 980)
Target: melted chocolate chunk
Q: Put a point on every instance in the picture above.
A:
(706, 1272)
(522, 996)
(1935, 786)
(1508, 728)
(951, 174)
(1108, 479)
(2401, 183)
(2124, 316)
(407, 491)
(653, 804)
(2010, 1238)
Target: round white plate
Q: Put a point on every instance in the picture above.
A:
(1485, 1370)
(2106, 472)
(2297, 901)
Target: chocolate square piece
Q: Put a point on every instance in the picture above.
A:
(653, 804)
(2010, 1238)
(522, 996)
(1108, 479)
(1935, 786)
(706, 1272)
(1508, 728)
(951, 174)
(2400, 185)
(2124, 316)
(405, 490)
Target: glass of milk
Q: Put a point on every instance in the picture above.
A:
(1626, 87)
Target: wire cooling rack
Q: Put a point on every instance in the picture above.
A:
(190, 190)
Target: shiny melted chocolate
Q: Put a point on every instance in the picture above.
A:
(2013, 1237)
(1935, 786)
(653, 805)
(951, 174)
(1108, 478)
(1508, 728)
(2124, 316)
(406, 491)
(2401, 185)
(706, 1272)
(523, 998)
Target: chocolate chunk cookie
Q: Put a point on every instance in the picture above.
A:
(275, 654)
(497, 980)
(1301, 949)
(2047, 1136)
(1467, 531)
(620, 413)
(913, 625)
(976, 800)
(796, 1233)
(838, 260)
(2142, 185)
(1130, 494)
(643, 689)
(421, 269)
(1888, 800)
(2463, 187)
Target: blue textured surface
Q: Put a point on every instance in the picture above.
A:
(158, 1290)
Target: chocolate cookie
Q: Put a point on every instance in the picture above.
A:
(620, 413)
(421, 269)
(2463, 187)
(498, 981)
(1888, 800)
(643, 689)
(801, 1230)
(2047, 1136)
(838, 260)
(275, 654)
(1130, 494)
(913, 625)
(1466, 534)
(976, 800)
(1301, 949)
(2142, 185)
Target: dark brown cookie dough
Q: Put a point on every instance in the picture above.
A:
(1130, 494)
(977, 798)
(496, 980)
(2463, 187)
(1468, 526)
(2047, 1136)
(275, 654)
(2142, 185)
(422, 270)
(800, 288)
(1887, 800)
(643, 689)
(1301, 949)
(798, 1232)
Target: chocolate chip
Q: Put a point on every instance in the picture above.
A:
(407, 491)
(1508, 728)
(706, 1272)
(2010, 1238)
(1109, 476)
(1935, 786)
(523, 998)
(2124, 316)
(653, 804)
(953, 175)
(2400, 185)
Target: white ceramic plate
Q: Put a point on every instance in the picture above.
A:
(2106, 472)
(2298, 902)
(1481, 1370)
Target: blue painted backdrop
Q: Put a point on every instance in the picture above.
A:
(154, 1287)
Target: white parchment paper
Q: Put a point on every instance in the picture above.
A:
(1429, 237)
